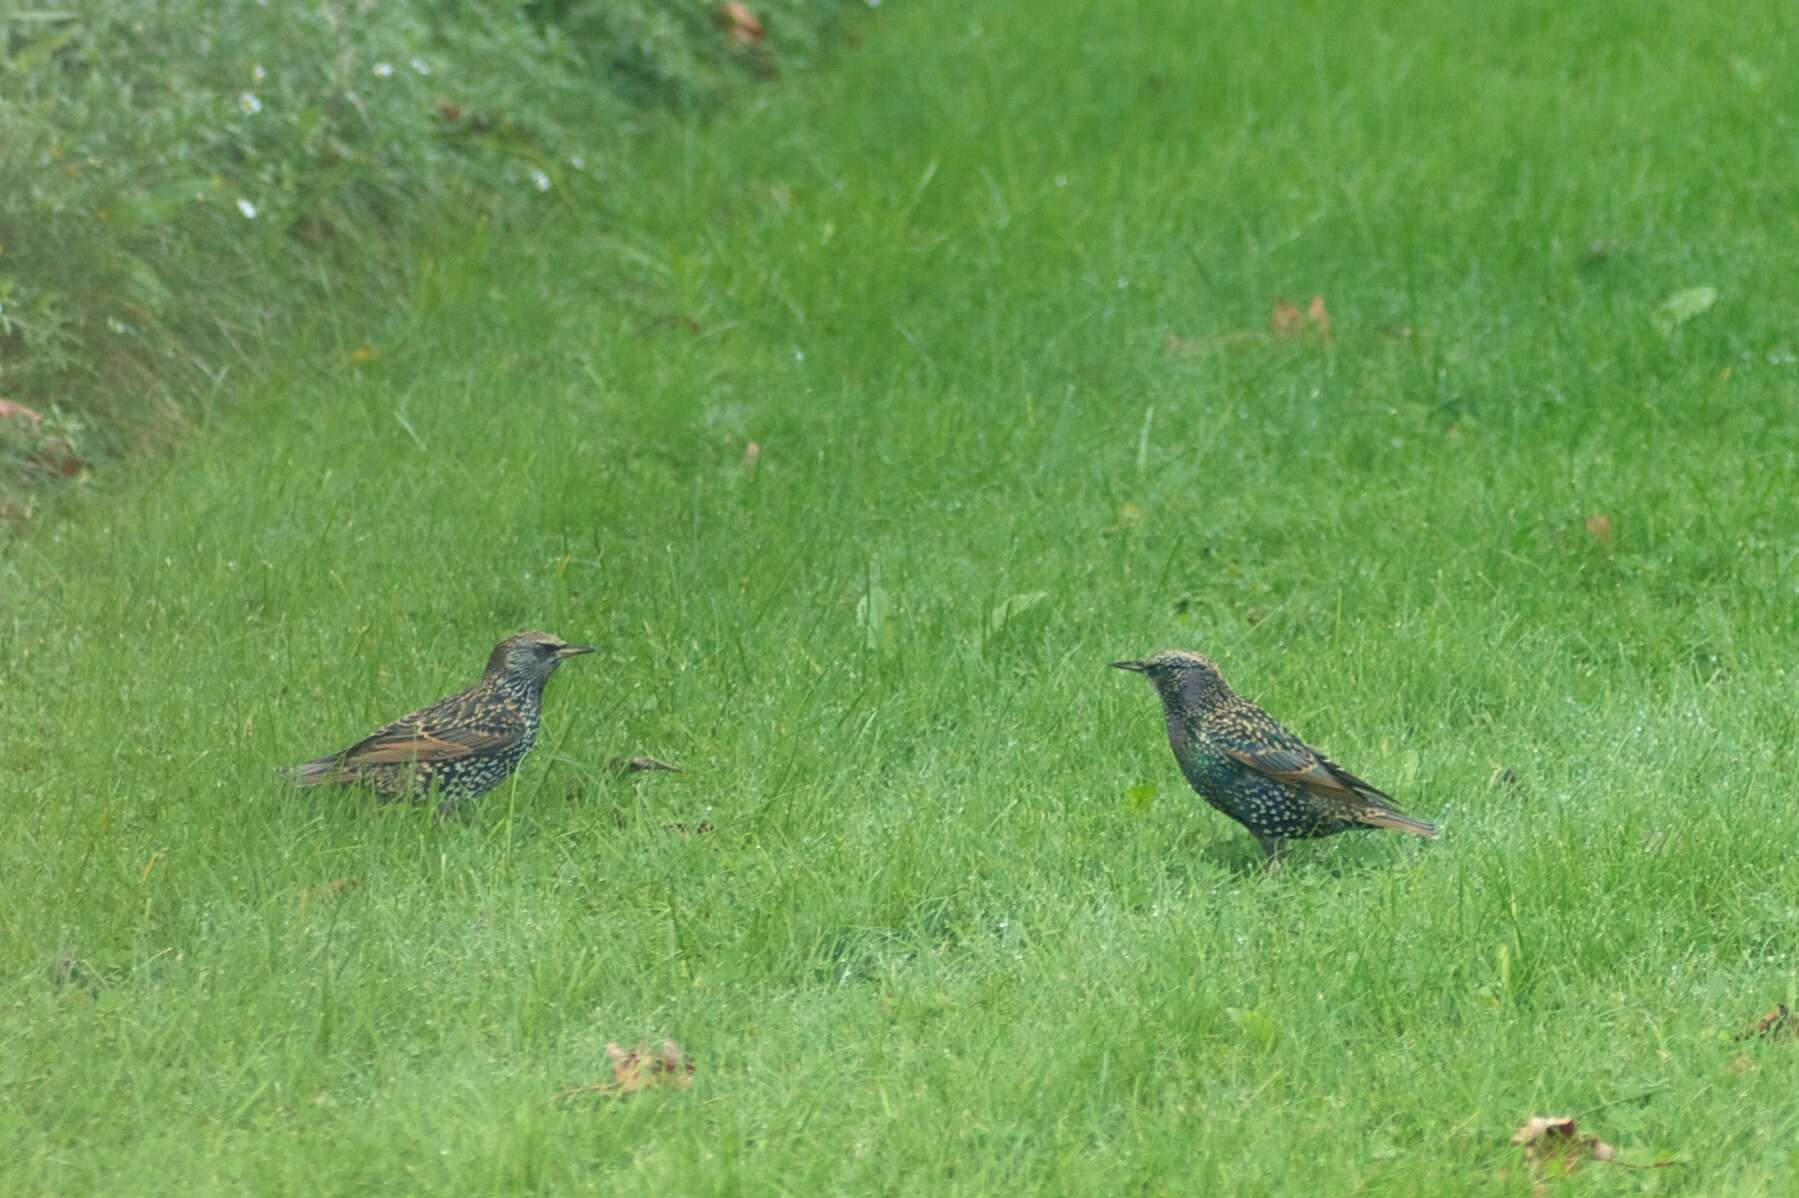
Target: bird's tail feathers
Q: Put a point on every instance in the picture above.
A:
(1385, 817)
(316, 772)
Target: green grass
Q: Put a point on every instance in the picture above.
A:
(930, 945)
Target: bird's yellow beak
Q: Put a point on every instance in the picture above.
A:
(1134, 666)
(573, 650)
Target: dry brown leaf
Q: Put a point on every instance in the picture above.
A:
(639, 1068)
(18, 411)
(1319, 317)
(740, 24)
(1776, 1023)
(1556, 1140)
(1600, 528)
(361, 355)
(52, 453)
(681, 829)
(334, 887)
(58, 455)
(451, 113)
(1553, 1143)
(1288, 321)
(752, 453)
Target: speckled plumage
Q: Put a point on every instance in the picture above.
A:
(461, 746)
(1245, 764)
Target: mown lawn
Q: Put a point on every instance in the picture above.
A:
(992, 301)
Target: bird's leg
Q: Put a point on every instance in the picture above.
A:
(1271, 850)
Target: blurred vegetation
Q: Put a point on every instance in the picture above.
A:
(179, 177)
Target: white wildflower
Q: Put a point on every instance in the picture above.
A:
(418, 64)
(247, 208)
(257, 74)
(383, 70)
(578, 162)
(540, 180)
(249, 103)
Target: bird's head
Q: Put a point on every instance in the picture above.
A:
(532, 656)
(1181, 677)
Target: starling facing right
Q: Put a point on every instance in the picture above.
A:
(1249, 767)
(460, 746)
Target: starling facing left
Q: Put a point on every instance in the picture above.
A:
(1249, 767)
(461, 746)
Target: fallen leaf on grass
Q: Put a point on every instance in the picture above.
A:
(681, 829)
(53, 453)
(1557, 1138)
(454, 114)
(362, 355)
(752, 453)
(1554, 1143)
(58, 455)
(1600, 528)
(638, 764)
(1780, 1022)
(331, 889)
(1319, 317)
(1287, 320)
(639, 1068)
(18, 411)
(740, 24)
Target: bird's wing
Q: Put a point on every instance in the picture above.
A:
(415, 740)
(1253, 739)
(444, 731)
